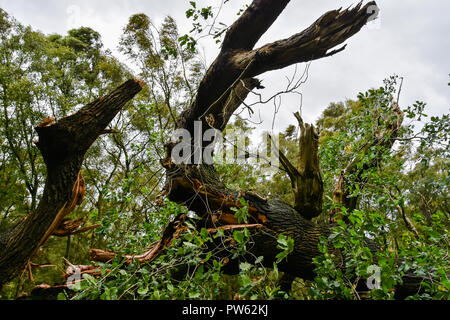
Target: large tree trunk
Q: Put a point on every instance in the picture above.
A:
(199, 188)
(63, 146)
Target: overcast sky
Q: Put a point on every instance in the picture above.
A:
(410, 39)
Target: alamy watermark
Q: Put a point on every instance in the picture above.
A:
(213, 147)
(374, 20)
(374, 281)
(73, 16)
(74, 280)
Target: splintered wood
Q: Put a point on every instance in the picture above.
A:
(60, 225)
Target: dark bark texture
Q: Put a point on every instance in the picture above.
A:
(63, 146)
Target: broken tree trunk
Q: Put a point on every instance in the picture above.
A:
(306, 178)
(200, 189)
(63, 146)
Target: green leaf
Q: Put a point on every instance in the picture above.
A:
(245, 266)
(143, 291)
(238, 236)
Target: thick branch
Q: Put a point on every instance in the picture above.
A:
(63, 146)
(252, 24)
(329, 31)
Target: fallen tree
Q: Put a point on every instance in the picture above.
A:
(223, 89)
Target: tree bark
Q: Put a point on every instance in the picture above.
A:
(306, 178)
(63, 146)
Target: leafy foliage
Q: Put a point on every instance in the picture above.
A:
(191, 268)
(392, 206)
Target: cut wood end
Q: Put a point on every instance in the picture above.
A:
(46, 122)
(140, 82)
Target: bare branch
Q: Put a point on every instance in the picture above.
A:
(233, 64)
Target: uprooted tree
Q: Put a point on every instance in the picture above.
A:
(223, 89)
